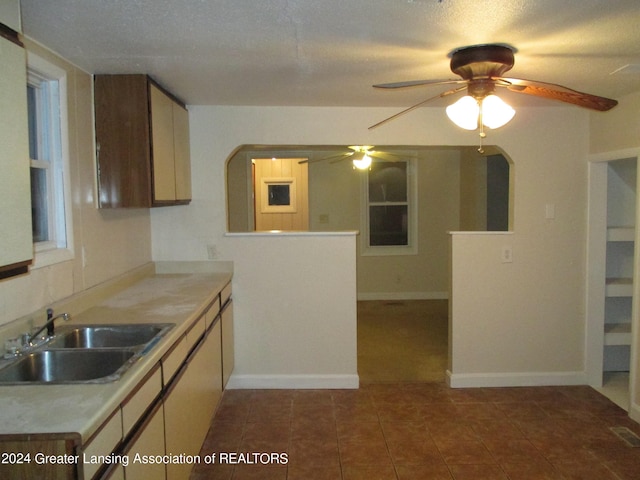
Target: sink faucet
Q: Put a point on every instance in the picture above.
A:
(49, 324)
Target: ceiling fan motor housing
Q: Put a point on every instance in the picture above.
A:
(482, 61)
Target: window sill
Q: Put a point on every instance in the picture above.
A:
(382, 251)
(51, 257)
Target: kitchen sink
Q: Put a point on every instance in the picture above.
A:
(108, 336)
(69, 366)
(84, 354)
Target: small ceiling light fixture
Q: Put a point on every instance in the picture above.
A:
(361, 160)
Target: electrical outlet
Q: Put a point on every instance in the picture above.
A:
(507, 254)
(212, 252)
(550, 211)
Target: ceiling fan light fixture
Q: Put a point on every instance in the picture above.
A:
(464, 113)
(361, 160)
(495, 112)
(469, 112)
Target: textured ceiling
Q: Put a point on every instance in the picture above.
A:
(330, 52)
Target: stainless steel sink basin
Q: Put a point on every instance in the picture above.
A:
(108, 336)
(84, 354)
(69, 366)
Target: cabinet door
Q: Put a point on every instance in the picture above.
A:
(150, 442)
(122, 141)
(227, 342)
(103, 443)
(191, 403)
(182, 152)
(16, 246)
(164, 184)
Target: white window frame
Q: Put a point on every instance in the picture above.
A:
(412, 210)
(59, 247)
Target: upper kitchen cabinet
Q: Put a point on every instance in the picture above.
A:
(142, 141)
(16, 244)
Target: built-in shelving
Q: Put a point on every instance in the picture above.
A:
(619, 264)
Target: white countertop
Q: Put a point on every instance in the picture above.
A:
(81, 409)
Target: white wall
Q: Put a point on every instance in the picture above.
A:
(523, 323)
(545, 283)
(295, 309)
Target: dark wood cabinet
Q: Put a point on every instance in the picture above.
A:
(142, 142)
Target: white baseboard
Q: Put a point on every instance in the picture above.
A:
(403, 295)
(533, 379)
(293, 381)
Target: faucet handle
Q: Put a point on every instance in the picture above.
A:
(12, 346)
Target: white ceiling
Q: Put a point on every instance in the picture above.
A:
(330, 52)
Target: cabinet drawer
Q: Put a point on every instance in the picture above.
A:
(173, 359)
(212, 313)
(140, 400)
(225, 294)
(103, 443)
(149, 441)
(196, 331)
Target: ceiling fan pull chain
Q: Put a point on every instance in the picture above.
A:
(482, 134)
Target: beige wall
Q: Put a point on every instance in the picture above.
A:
(473, 192)
(617, 129)
(424, 275)
(335, 194)
(106, 243)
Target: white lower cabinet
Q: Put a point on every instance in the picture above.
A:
(146, 447)
(191, 401)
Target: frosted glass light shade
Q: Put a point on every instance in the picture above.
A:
(495, 112)
(361, 160)
(464, 113)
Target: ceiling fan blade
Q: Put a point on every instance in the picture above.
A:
(417, 83)
(558, 92)
(339, 157)
(417, 105)
(388, 156)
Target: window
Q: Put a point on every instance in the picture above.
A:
(390, 209)
(50, 214)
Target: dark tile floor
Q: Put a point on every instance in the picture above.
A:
(423, 431)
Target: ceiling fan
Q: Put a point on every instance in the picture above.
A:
(360, 155)
(482, 68)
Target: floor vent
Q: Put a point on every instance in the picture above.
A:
(627, 436)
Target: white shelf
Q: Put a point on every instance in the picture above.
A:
(617, 334)
(619, 287)
(621, 234)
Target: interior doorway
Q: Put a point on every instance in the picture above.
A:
(405, 296)
(280, 194)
